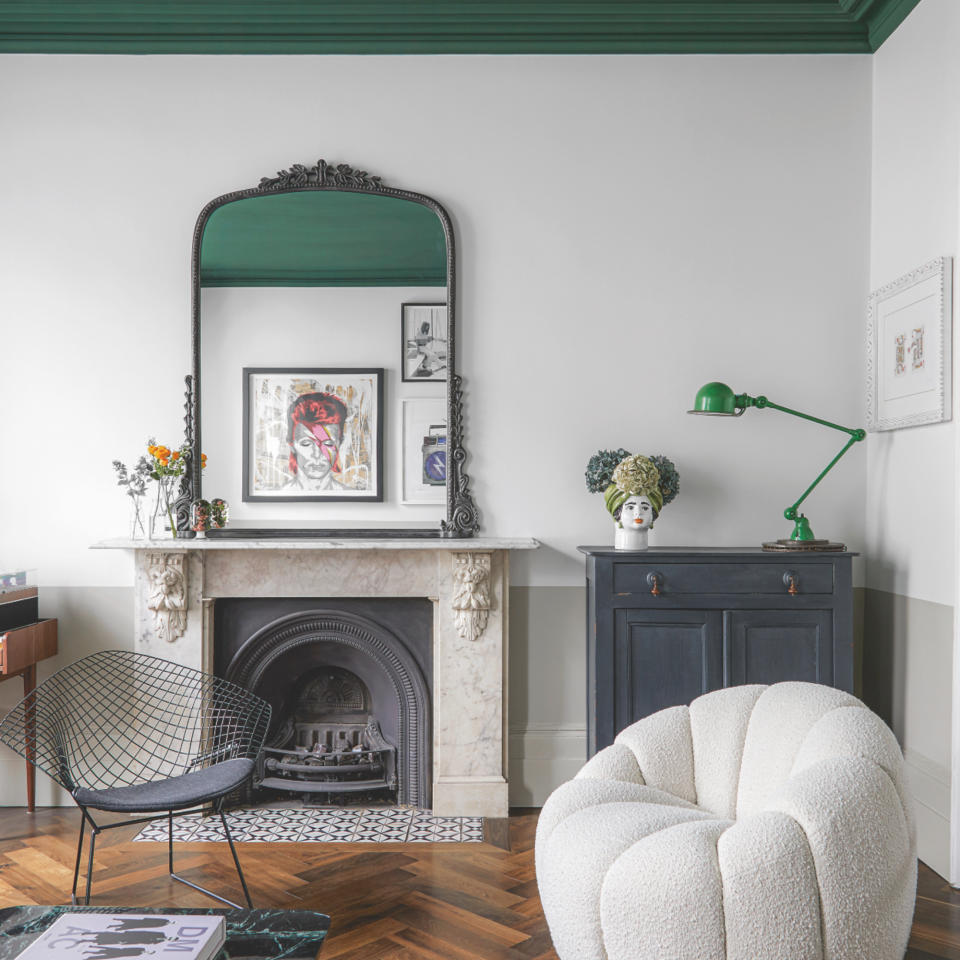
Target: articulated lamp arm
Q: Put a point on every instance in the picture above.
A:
(802, 529)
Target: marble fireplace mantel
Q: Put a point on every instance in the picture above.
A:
(177, 582)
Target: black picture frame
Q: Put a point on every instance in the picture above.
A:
(412, 372)
(334, 494)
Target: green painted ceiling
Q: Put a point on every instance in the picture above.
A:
(323, 238)
(448, 26)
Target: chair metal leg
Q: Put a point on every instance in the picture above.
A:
(94, 830)
(76, 866)
(196, 886)
(233, 850)
(170, 840)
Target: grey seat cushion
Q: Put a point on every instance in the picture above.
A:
(174, 793)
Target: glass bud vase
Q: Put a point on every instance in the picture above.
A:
(138, 530)
(163, 523)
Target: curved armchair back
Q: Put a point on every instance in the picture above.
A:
(118, 718)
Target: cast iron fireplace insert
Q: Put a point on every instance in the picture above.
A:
(350, 683)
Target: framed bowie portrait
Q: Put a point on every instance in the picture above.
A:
(312, 434)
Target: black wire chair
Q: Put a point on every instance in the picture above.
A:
(130, 733)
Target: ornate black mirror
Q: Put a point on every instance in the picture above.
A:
(324, 387)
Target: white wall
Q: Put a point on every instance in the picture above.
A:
(911, 477)
(914, 218)
(628, 228)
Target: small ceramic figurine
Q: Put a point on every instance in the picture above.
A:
(200, 516)
(219, 513)
(634, 518)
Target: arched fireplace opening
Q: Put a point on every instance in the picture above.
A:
(350, 693)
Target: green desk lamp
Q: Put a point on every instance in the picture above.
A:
(718, 400)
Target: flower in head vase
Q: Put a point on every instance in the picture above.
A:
(635, 490)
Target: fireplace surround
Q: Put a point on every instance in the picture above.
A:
(464, 581)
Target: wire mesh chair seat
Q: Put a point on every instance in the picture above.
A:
(132, 733)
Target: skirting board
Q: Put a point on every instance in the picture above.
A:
(542, 756)
(928, 784)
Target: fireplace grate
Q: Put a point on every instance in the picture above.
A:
(331, 758)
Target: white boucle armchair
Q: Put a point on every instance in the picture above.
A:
(759, 823)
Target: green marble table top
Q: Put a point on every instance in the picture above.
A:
(251, 934)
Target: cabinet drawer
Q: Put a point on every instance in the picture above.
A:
(704, 579)
(23, 646)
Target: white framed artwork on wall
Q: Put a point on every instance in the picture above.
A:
(424, 459)
(908, 349)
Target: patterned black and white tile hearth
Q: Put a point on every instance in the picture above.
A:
(326, 824)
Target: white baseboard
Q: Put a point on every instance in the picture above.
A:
(542, 756)
(928, 784)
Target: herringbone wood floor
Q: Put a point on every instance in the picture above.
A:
(388, 902)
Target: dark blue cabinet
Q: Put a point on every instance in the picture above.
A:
(669, 624)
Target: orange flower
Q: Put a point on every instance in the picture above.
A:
(151, 450)
(175, 455)
(164, 462)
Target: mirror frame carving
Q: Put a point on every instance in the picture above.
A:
(462, 518)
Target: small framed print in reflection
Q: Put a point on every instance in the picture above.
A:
(423, 342)
(424, 439)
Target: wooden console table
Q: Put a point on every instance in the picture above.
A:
(21, 648)
(668, 624)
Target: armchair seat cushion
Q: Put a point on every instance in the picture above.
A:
(174, 793)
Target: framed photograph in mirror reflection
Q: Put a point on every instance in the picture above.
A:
(424, 432)
(423, 342)
(312, 434)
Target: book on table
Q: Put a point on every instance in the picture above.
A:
(103, 936)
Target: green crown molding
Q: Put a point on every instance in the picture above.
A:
(886, 17)
(448, 26)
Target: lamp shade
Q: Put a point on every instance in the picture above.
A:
(715, 399)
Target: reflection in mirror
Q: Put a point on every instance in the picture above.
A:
(325, 396)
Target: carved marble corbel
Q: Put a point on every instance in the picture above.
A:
(167, 599)
(471, 593)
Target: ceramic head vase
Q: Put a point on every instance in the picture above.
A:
(635, 490)
(634, 519)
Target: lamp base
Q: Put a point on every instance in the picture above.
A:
(801, 546)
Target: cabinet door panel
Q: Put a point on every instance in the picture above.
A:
(767, 646)
(663, 658)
